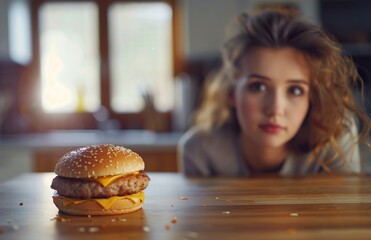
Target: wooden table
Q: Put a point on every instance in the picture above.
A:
(321, 207)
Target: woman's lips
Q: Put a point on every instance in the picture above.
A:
(271, 128)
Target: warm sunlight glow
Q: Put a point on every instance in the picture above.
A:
(55, 94)
(69, 55)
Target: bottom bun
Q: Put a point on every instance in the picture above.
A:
(93, 208)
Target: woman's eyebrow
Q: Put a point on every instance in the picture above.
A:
(298, 81)
(256, 75)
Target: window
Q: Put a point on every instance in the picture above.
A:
(19, 32)
(140, 55)
(104, 56)
(69, 57)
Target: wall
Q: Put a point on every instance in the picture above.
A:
(205, 21)
(14, 161)
(3, 30)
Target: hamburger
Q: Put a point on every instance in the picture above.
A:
(99, 180)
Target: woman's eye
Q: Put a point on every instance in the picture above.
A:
(257, 87)
(297, 91)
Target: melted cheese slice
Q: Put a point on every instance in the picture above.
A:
(106, 203)
(105, 181)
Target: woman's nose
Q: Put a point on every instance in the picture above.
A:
(274, 104)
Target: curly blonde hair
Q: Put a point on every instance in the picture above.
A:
(332, 104)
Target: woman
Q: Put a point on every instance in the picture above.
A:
(281, 103)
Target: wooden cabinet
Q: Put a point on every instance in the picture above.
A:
(156, 160)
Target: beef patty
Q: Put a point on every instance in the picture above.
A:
(86, 189)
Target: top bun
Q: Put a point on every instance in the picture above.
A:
(98, 161)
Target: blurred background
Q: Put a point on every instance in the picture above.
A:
(74, 73)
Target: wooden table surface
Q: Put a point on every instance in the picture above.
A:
(320, 207)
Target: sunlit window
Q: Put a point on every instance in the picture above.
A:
(19, 32)
(69, 54)
(141, 70)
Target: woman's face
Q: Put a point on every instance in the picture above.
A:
(272, 96)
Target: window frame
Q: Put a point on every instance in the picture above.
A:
(41, 121)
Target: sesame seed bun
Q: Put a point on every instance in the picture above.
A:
(98, 161)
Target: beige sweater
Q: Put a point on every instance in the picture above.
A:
(218, 153)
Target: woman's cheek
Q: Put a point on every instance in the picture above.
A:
(247, 109)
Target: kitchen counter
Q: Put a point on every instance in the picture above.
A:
(55, 139)
(39, 152)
